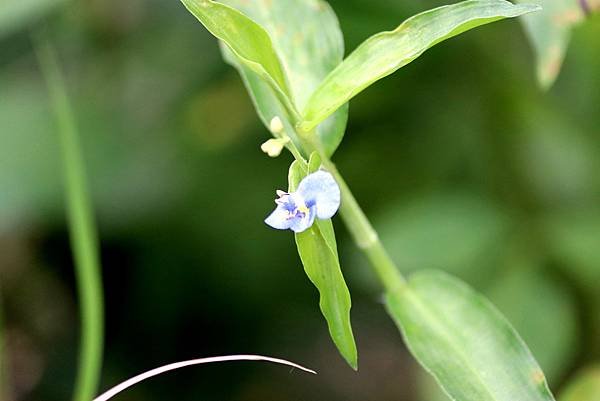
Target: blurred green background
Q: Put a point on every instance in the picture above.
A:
(460, 160)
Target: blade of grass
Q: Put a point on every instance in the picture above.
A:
(178, 365)
(82, 227)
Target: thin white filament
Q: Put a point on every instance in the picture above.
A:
(177, 365)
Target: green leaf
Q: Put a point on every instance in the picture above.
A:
(314, 163)
(323, 269)
(464, 342)
(247, 40)
(386, 52)
(298, 170)
(585, 386)
(549, 32)
(306, 36)
(528, 296)
(318, 251)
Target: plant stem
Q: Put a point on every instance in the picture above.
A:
(358, 224)
(365, 236)
(82, 228)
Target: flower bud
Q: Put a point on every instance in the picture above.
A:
(276, 126)
(273, 147)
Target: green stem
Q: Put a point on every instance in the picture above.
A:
(82, 228)
(364, 234)
(358, 224)
(294, 151)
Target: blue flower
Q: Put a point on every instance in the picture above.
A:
(318, 196)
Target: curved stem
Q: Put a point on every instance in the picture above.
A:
(82, 228)
(178, 365)
(358, 224)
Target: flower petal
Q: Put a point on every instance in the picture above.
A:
(321, 190)
(300, 224)
(279, 218)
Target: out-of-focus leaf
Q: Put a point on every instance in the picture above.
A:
(318, 251)
(533, 302)
(247, 40)
(455, 232)
(29, 154)
(575, 241)
(308, 40)
(556, 158)
(386, 52)
(584, 387)
(549, 32)
(210, 111)
(30, 158)
(15, 14)
(464, 342)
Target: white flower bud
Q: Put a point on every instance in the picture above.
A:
(276, 125)
(273, 147)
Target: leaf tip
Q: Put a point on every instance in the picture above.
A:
(352, 360)
(549, 65)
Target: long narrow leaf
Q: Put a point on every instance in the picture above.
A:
(318, 251)
(549, 32)
(386, 52)
(307, 38)
(247, 40)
